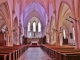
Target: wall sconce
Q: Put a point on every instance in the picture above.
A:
(4, 29)
(72, 19)
(69, 20)
(59, 31)
(54, 29)
(14, 30)
(48, 33)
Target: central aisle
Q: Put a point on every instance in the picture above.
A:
(34, 53)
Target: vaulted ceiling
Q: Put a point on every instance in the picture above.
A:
(37, 8)
(43, 3)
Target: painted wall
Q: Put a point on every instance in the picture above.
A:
(37, 34)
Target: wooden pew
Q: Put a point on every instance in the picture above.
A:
(70, 56)
(14, 52)
(3, 56)
(10, 53)
(57, 53)
(62, 52)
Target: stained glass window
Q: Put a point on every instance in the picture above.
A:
(39, 27)
(34, 26)
(29, 26)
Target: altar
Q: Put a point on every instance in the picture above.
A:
(34, 41)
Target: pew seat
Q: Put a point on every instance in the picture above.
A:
(13, 52)
(4, 56)
(62, 52)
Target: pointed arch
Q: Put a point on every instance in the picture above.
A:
(39, 27)
(34, 26)
(6, 13)
(36, 14)
(64, 12)
(29, 26)
(32, 7)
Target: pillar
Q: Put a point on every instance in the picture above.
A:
(61, 38)
(57, 38)
(9, 41)
(18, 38)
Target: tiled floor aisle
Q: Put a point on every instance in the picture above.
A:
(34, 53)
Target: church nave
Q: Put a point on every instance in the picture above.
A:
(39, 29)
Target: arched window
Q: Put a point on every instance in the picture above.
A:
(29, 26)
(64, 33)
(34, 26)
(39, 27)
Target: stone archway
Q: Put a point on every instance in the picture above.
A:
(5, 20)
(64, 13)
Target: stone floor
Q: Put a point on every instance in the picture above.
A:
(34, 53)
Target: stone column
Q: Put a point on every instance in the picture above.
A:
(77, 33)
(9, 41)
(17, 36)
(76, 36)
(54, 37)
(57, 38)
(61, 38)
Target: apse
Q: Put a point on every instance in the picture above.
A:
(34, 6)
(66, 25)
(34, 28)
(34, 9)
(37, 9)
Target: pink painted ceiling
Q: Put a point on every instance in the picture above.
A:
(36, 14)
(35, 8)
(43, 3)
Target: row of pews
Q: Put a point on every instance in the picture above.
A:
(62, 52)
(12, 53)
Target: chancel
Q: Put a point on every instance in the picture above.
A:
(39, 29)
